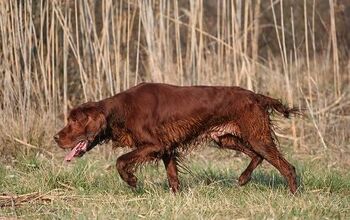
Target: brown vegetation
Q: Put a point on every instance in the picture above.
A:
(56, 54)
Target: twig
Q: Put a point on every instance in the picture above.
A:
(287, 136)
(13, 201)
(66, 186)
(313, 120)
(29, 145)
(327, 108)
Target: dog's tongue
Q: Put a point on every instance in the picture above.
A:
(76, 151)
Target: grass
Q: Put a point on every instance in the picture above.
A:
(91, 188)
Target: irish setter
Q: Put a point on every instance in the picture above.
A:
(159, 120)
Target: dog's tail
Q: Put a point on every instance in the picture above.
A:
(274, 105)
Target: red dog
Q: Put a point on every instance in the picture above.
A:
(158, 120)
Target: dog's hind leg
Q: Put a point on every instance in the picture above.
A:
(232, 142)
(256, 126)
(270, 153)
(247, 173)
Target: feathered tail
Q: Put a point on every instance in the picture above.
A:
(276, 105)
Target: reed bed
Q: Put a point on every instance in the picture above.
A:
(56, 54)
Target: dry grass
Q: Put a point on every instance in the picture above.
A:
(56, 54)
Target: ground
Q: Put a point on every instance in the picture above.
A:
(37, 187)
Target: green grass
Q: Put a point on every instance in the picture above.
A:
(87, 188)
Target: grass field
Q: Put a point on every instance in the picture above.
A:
(91, 188)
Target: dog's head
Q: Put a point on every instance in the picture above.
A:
(85, 125)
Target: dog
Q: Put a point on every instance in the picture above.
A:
(159, 120)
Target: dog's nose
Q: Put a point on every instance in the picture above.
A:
(56, 137)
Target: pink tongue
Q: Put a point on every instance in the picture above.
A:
(71, 154)
(81, 146)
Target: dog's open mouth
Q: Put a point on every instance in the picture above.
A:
(78, 151)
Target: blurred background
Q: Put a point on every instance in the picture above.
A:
(57, 54)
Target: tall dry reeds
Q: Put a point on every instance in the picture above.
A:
(55, 54)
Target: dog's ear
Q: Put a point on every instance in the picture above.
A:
(96, 123)
(101, 121)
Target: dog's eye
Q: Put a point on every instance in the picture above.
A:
(73, 120)
(78, 122)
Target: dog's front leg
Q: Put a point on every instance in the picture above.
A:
(126, 163)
